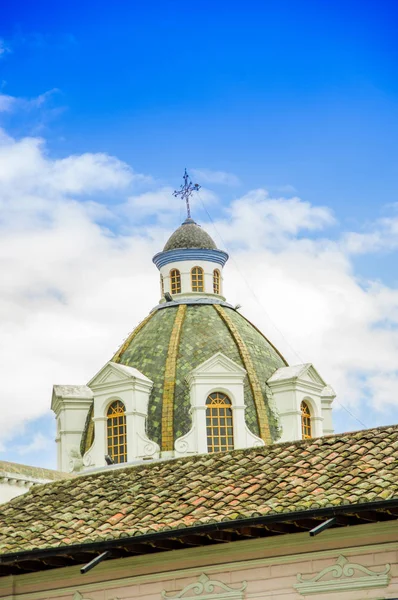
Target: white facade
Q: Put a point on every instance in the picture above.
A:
(217, 374)
(132, 388)
(327, 396)
(12, 485)
(70, 404)
(290, 386)
(185, 267)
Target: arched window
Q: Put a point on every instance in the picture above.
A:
(162, 285)
(219, 424)
(175, 281)
(197, 279)
(216, 281)
(116, 432)
(305, 421)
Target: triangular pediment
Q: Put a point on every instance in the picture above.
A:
(305, 372)
(113, 373)
(219, 364)
(312, 375)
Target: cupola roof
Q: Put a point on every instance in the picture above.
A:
(190, 235)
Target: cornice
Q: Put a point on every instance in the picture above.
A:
(181, 254)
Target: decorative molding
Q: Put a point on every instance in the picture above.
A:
(185, 443)
(75, 460)
(218, 364)
(205, 589)
(78, 596)
(342, 578)
(149, 447)
(115, 374)
(50, 579)
(184, 254)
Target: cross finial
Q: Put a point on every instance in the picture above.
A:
(186, 190)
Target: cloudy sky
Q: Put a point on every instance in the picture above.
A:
(287, 115)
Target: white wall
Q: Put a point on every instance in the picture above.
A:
(11, 489)
(185, 267)
(132, 388)
(70, 405)
(290, 386)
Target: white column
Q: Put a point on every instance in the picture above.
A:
(238, 414)
(201, 431)
(326, 403)
(101, 445)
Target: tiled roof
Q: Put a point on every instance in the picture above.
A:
(332, 471)
(8, 469)
(189, 235)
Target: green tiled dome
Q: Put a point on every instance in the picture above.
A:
(190, 235)
(203, 332)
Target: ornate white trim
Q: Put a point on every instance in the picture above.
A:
(78, 596)
(342, 573)
(205, 589)
(218, 373)
(147, 446)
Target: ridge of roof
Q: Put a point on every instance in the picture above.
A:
(148, 464)
(7, 468)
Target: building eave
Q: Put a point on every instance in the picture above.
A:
(199, 535)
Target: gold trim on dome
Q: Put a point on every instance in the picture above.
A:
(170, 381)
(132, 335)
(261, 411)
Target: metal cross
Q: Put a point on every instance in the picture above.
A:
(186, 190)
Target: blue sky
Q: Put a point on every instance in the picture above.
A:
(289, 92)
(296, 97)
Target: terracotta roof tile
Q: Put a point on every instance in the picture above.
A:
(331, 471)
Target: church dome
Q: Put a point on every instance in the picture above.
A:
(189, 235)
(177, 337)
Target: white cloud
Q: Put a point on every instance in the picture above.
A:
(57, 265)
(152, 202)
(68, 287)
(257, 220)
(26, 169)
(218, 177)
(4, 48)
(163, 210)
(38, 443)
(7, 103)
(382, 235)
